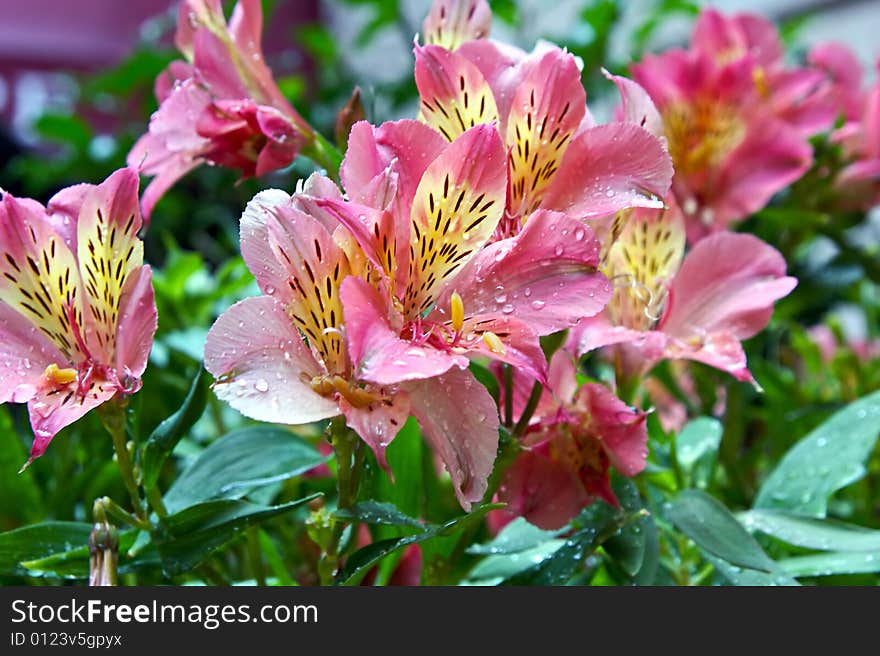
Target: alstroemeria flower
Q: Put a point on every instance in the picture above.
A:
(858, 183)
(735, 134)
(668, 305)
(289, 356)
(797, 95)
(429, 210)
(558, 158)
(77, 313)
(220, 106)
(573, 438)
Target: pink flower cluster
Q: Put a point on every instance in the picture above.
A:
(503, 214)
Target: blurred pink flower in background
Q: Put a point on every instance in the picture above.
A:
(858, 183)
(736, 120)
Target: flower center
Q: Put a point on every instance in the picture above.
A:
(700, 134)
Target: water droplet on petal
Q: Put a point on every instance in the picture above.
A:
(262, 385)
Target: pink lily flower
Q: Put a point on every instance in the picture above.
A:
(445, 294)
(220, 106)
(573, 438)
(77, 313)
(288, 356)
(735, 121)
(558, 158)
(797, 95)
(668, 305)
(858, 183)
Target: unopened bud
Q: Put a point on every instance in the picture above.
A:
(351, 113)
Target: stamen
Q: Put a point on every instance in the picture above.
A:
(494, 343)
(59, 377)
(457, 311)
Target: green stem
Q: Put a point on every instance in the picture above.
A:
(110, 507)
(526, 416)
(154, 498)
(112, 415)
(255, 557)
(325, 155)
(508, 395)
(349, 463)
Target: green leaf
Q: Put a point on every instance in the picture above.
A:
(186, 538)
(629, 547)
(20, 499)
(696, 446)
(241, 462)
(358, 564)
(743, 576)
(497, 568)
(162, 441)
(376, 512)
(39, 541)
(850, 562)
(827, 460)
(518, 536)
(812, 533)
(716, 531)
(64, 129)
(74, 564)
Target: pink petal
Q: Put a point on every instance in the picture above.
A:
(137, 323)
(721, 349)
(379, 354)
(596, 332)
(455, 96)
(521, 347)
(453, 22)
(460, 421)
(315, 265)
(372, 150)
(543, 491)
(271, 274)
(457, 206)
(49, 413)
(608, 168)
(636, 105)
(726, 282)
(546, 110)
(545, 276)
(503, 68)
(24, 355)
(772, 156)
(39, 276)
(378, 423)
(621, 429)
(724, 37)
(108, 251)
(263, 368)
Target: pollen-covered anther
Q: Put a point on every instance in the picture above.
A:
(494, 343)
(59, 377)
(456, 306)
(358, 397)
(759, 77)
